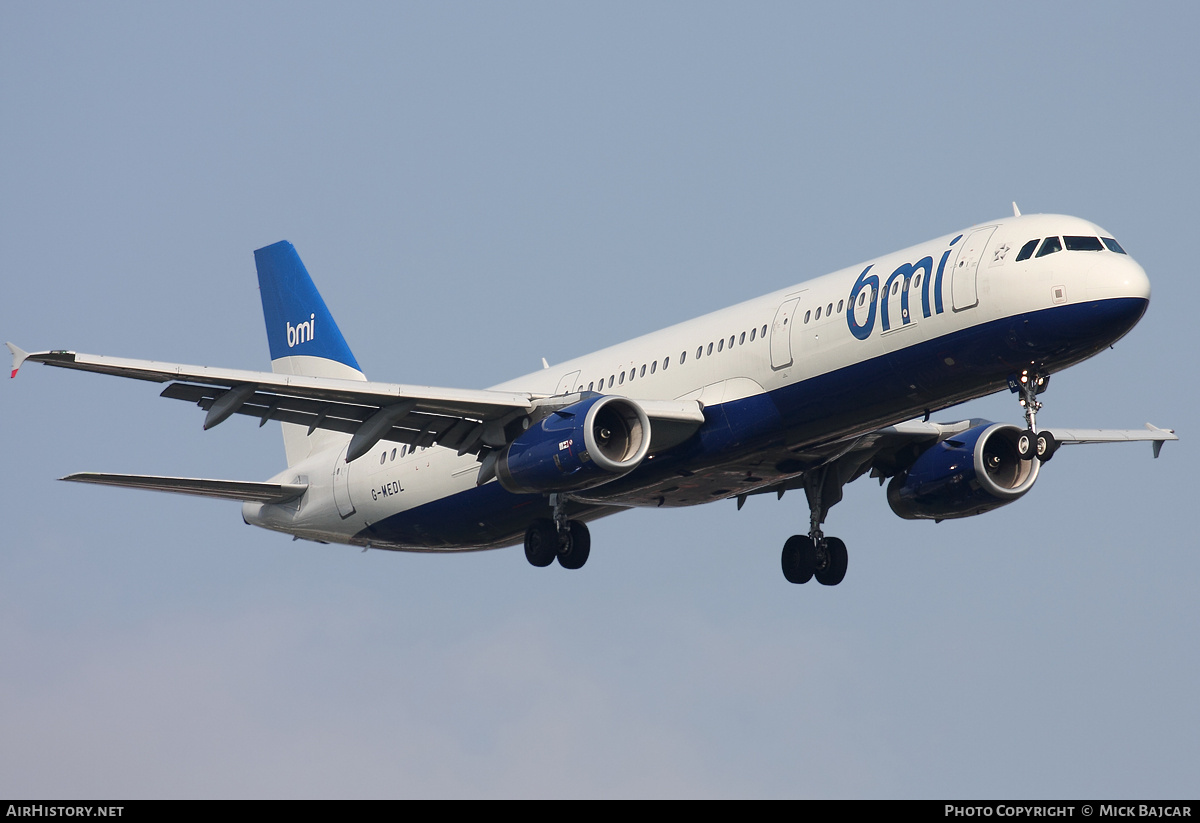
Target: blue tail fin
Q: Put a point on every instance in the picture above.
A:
(298, 322)
(303, 336)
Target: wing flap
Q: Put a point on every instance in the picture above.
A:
(198, 486)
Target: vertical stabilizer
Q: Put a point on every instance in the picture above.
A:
(303, 337)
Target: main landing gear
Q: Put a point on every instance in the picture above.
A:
(1033, 443)
(815, 555)
(548, 539)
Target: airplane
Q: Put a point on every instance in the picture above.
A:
(807, 388)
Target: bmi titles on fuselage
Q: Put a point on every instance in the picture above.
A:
(866, 290)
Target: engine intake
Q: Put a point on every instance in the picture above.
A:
(578, 447)
(971, 473)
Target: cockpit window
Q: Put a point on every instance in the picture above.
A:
(1113, 245)
(1049, 246)
(1027, 250)
(1083, 243)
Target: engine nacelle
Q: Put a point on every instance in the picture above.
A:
(968, 474)
(578, 447)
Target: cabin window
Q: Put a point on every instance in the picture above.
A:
(709, 352)
(720, 344)
(763, 333)
(590, 385)
(393, 454)
(654, 365)
(862, 298)
(1113, 245)
(699, 351)
(1083, 243)
(732, 337)
(382, 457)
(667, 361)
(752, 331)
(807, 316)
(622, 380)
(1027, 250)
(643, 374)
(682, 357)
(1049, 246)
(842, 303)
(742, 339)
(818, 317)
(611, 378)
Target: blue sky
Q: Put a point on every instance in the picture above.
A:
(475, 187)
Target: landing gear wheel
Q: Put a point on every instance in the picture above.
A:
(578, 546)
(1026, 445)
(799, 559)
(1046, 446)
(835, 563)
(541, 542)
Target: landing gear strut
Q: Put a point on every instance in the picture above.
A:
(1032, 443)
(815, 555)
(551, 538)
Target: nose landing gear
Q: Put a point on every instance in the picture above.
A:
(1032, 443)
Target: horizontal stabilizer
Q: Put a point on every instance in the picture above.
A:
(199, 486)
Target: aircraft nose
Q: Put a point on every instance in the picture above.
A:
(1116, 277)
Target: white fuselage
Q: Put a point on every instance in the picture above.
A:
(924, 328)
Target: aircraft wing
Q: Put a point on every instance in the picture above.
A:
(197, 486)
(1154, 434)
(889, 444)
(464, 419)
(417, 415)
(886, 451)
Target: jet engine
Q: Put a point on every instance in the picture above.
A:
(577, 447)
(968, 474)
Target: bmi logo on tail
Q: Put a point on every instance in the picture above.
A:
(301, 332)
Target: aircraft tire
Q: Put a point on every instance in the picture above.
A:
(839, 558)
(541, 542)
(578, 548)
(1046, 446)
(799, 559)
(1026, 445)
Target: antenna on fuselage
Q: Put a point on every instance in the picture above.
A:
(1016, 211)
